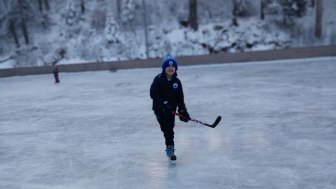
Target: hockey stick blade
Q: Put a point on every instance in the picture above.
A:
(218, 119)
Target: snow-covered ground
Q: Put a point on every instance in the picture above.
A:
(97, 129)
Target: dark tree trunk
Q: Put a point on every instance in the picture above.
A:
(43, 3)
(25, 32)
(14, 34)
(193, 14)
(234, 14)
(23, 22)
(47, 6)
(82, 6)
(40, 6)
(119, 11)
(318, 18)
(262, 9)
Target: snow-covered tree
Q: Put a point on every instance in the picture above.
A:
(43, 5)
(10, 19)
(114, 29)
(241, 8)
(15, 17)
(111, 30)
(71, 15)
(128, 8)
(292, 9)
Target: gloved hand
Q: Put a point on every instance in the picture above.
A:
(167, 109)
(185, 115)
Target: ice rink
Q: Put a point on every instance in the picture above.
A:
(96, 130)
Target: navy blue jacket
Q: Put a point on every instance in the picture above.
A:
(163, 90)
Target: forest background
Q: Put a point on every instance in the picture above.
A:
(42, 32)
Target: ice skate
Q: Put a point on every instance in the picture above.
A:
(170, 152)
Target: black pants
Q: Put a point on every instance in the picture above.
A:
(56, 77)
(167, 123)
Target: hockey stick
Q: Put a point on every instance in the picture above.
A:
(218, 119)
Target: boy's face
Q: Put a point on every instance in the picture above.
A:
(170, 70)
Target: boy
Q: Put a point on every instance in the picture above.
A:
(167, 94)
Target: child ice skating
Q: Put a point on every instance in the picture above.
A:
(167, 94)
(55, 72)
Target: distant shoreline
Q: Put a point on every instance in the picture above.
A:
(266, 55)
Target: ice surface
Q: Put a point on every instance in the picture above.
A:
(97, 129)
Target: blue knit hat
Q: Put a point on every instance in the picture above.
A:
(167, 61)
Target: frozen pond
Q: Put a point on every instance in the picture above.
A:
(97, 129)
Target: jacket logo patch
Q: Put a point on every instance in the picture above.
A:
(175, 85)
